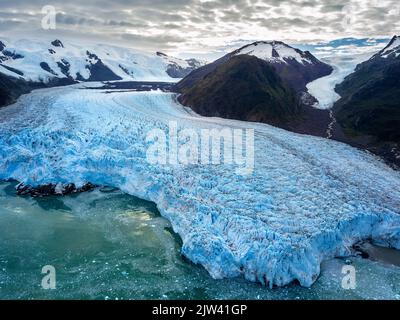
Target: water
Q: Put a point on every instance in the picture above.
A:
(108, 245)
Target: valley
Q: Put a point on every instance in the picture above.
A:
(71, 131)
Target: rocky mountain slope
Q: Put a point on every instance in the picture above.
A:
(295, 67)
(243, 88)
(369, 110)
(262, 82)
(12, 88)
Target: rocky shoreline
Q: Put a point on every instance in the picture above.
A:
(52, 189)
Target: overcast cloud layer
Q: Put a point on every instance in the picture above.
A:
(202, 26)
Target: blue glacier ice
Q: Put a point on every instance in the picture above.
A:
(308, 200)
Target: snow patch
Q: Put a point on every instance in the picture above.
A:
(390, 49)
(273, 51)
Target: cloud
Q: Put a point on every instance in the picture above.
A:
(205, 25)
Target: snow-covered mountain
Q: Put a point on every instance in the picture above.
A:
(178, 68)
(297, 68)
(41, 61)
(392, 49)
(275, 52)
(262, 82)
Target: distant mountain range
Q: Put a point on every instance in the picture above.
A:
(41, 61)
(30, 64)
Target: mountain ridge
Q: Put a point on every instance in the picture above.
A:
(40, 61)
(245, 88)
(369, 108)
(26, 65)
(207, 89)
(294, 66)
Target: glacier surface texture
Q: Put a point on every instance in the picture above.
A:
(308, 200)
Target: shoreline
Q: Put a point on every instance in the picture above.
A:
(365, 249)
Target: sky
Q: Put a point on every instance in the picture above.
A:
(203, 28)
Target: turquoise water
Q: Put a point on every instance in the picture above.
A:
(108, 245)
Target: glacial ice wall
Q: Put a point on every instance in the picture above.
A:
(308, 200)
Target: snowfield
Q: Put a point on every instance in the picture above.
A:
(126, 63)
(308, 200)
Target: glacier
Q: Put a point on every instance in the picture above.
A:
(323, 89)
(308, 200)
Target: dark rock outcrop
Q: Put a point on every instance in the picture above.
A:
(12, 55)
(16, 71)
(51, 189)
(46, 67)
(100, 72)
(57, 43)
(64, 66)
(11, 88)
